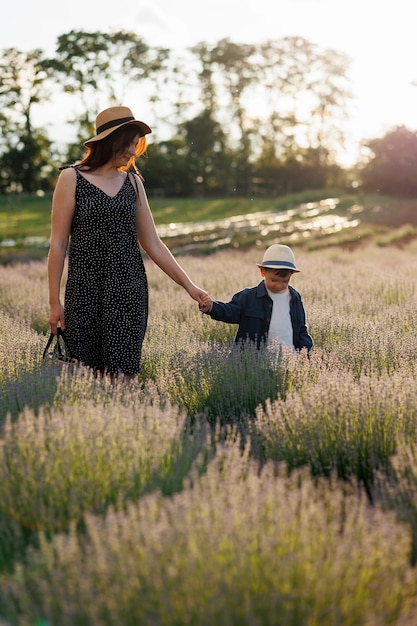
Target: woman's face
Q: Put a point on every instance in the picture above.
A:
(127, 151)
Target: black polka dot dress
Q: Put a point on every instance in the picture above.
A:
(106, 295)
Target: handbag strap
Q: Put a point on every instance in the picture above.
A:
(60, 335)
(48, 345)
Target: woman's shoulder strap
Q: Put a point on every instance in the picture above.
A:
(65, 167)
(133, 181)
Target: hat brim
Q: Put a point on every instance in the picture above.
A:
(276, 265)
(144, 128)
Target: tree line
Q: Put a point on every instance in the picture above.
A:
(242, 119)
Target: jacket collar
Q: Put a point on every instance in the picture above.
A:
(261, 291)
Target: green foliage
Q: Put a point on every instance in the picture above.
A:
(219, 487)
(391, 170)
(221, 143)
(212, 103)
(25, 159)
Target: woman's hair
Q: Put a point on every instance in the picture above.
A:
(101, 152)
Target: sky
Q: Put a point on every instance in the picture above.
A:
(377, 35)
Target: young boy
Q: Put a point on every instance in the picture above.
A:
(270, 313)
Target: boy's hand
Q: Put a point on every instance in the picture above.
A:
(207, 304)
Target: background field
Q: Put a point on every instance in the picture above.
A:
(219, 488)
(349, 221)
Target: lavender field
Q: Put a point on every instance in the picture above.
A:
(218, 489)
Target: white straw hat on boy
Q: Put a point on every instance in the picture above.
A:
(279, 257)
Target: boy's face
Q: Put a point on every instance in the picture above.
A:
(275, 282)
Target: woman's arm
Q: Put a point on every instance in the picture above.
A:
(157, 250)
(63, 206)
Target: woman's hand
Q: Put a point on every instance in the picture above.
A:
(56, 317)
(207, 304)
(197, 294)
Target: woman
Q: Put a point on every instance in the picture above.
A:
(100, 207)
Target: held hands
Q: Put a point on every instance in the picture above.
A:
(206, 305)
(197, 294)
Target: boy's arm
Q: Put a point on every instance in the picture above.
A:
(306, 340)
(228, 312)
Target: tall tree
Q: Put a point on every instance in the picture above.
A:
(284, 98)
(25, 163)
(99, 67)
(166, 170)
(208, 157)
(306, 92)
(228, 70)
(392, 166)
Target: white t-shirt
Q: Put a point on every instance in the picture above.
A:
(280, 328)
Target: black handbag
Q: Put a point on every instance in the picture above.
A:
(56, 348)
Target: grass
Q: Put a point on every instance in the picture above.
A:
(26, 221)
(201, 209)
(24, 216)
(29, 216)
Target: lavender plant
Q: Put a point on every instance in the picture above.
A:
(82, 457)
(235, 547)
(119, 505)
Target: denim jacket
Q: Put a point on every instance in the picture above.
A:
(251, 308)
